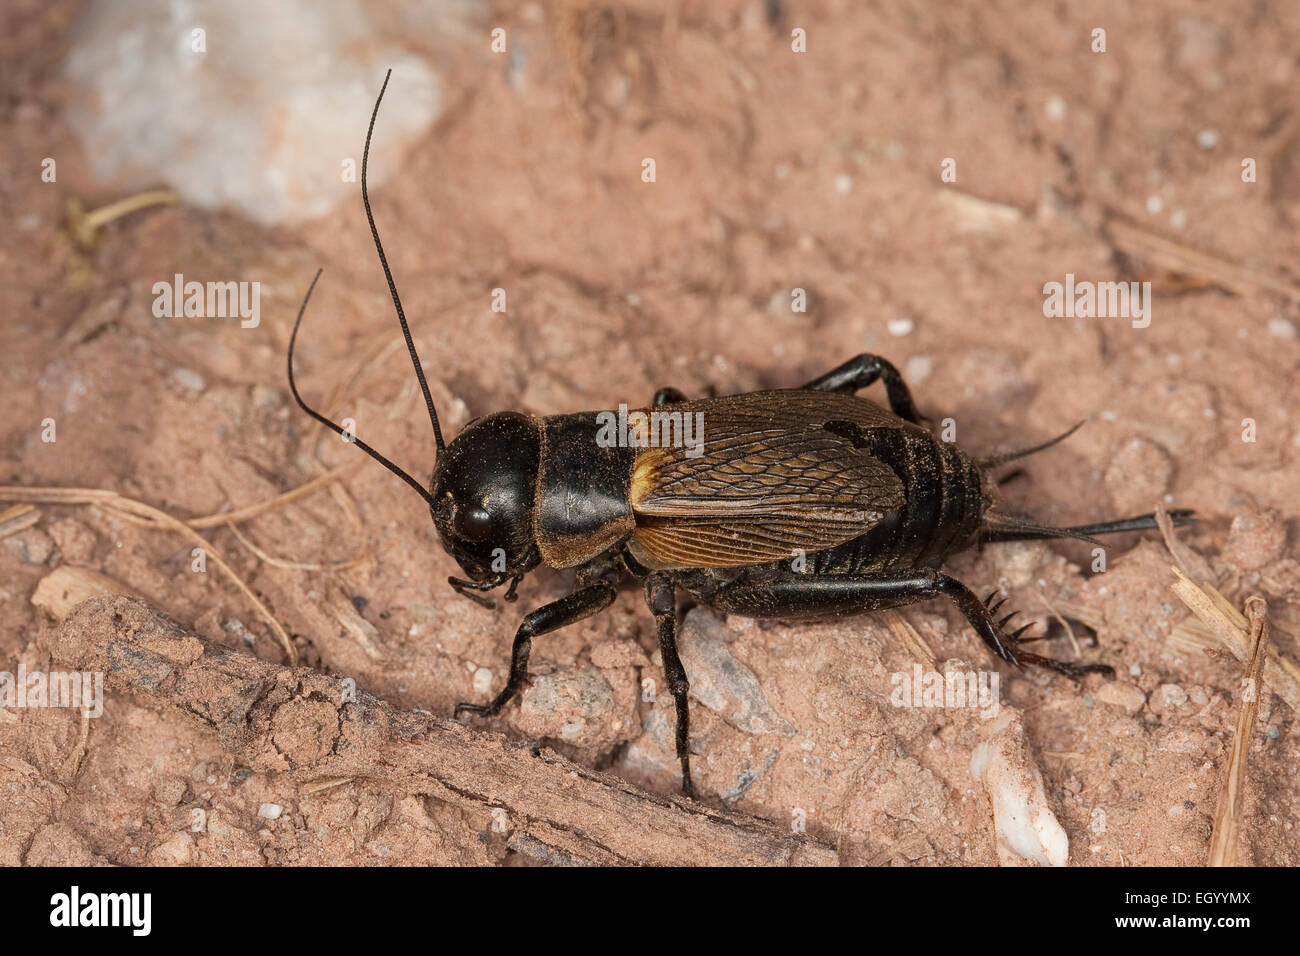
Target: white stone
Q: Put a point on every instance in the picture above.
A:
(262, 120)
(1027, 831)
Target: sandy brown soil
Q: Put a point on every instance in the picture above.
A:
(774, 171)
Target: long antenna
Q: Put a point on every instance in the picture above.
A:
(392, 286)
(424, 493)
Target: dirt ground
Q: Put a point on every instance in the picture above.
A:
(775, 170)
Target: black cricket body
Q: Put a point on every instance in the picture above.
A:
(801, 503)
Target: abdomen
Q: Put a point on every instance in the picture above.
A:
(941, 513)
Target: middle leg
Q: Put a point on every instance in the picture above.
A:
(661, 598)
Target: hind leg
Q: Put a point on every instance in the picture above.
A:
(799, 595)
(859, 372)
(668, 396)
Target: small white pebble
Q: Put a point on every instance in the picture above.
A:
(482, 680)
(1178, 219)
(1281, 328)
(270, 811)
(1055, 108)
(843, 183)
(188, 378)
(1207, 138)
(1155, 204)
(918, 368)
(900, 327)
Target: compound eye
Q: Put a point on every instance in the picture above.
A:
(472, 524)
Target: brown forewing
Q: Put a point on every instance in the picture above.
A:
(771, 482)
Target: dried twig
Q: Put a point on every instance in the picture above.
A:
(1222, 625)
(84, 225)
(1190, 560)
(909, 637)
(1227, 826)
(105, 498)
(18, 518)
(287, 565)
(1140, 243)
(293, 494)
(1062, 620)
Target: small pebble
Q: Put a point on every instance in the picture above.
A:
(264, 396)
(32, 546)
(1255, 540)
(918, 368)
(189, 379)
(270, 811)
(1124, 696)
(1281, 328)
(1207, 138)
(1168, 697)
(900, 327)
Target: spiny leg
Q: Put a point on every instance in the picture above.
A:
(661, 598)
(549, 617)
(668, 396)
(859, 372)
(804, 595)
(1015, 643)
